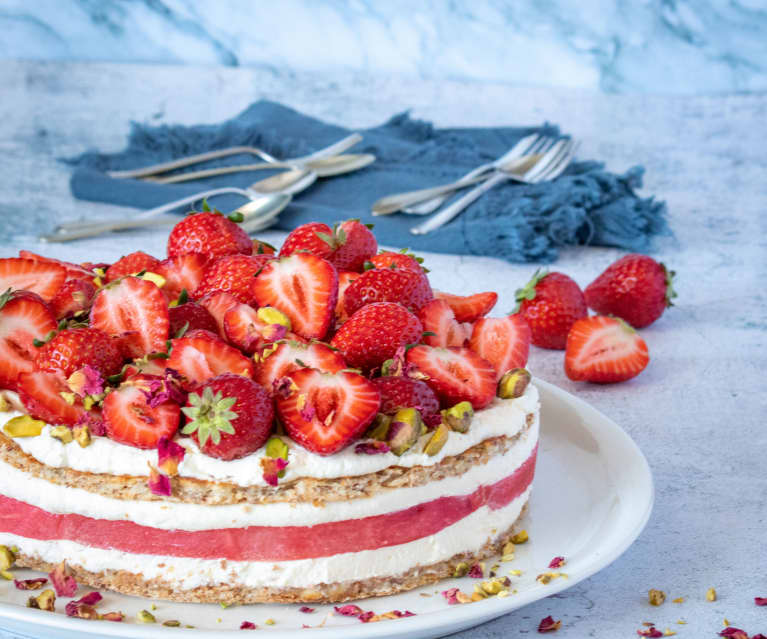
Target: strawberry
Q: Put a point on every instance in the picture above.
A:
(131, 264)
(374, 333)
(437, 317)
(355, 245)
(344, 279)
(245, 329)
(24, 317)
(405, 392)
(133, 304)
(229, 416)
(277, 361)
(325, 412)
(182, 273)
(74, 271)
(263, 248)
(201, 355)
(74, 348)
(635, 288)
(304, 287)
(190, 316)
(315, 238)
(232, 274)
(551, 303)
(502, 341)
(40, 392)
(604, 350)
(471, 307)
(152, 364)
(403, 260)
(217, 304)
(209, 233)
(43, 278)
(130, 418)
(410, 289)
(73, 297)
(455, 374)
(130, 344)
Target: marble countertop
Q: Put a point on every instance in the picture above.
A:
(698, 411)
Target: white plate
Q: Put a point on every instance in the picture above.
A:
(592, 496)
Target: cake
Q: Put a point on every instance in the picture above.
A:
(233, 424)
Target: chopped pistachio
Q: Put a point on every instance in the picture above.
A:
(437, 440)
(156, 279)
(656, 597)
(270, 622)
(461, 569)
(710, 594)
(7, 558)
(6, 575)
(4, 405)
(508, 548)
(379, 428)
(276, 448)
(520, 538)
(459, 417)
(144, 616)
(171, 623)
(44, 601)
(62, 433)
(404, 431)
(82, 435)
(270, 315)
(513, 383)
(23, 426)
(475, 596)
(462, 597)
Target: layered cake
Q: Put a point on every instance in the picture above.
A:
(235, 424)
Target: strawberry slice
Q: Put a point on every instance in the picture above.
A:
(43, 278)
(40, 392)
(289, 356)
(74, 296)
(183, 272)
(132, 304)
(604, 350)
(438, 317)
(344, 279)
(470, 307)
(201, 355)
(74, 271)
(247, 332)
(217, 304)
(130, 420)
(24, 317)
(131, 264)
(304, 287)
(325, 412)
(502, 341)
(455, 374)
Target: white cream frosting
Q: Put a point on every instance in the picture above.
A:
(176, 516)
(502, 417)
(467, 535)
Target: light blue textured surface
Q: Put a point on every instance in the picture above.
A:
(656, 46)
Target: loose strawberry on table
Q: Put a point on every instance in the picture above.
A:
(438, 317)
(470, 307)
(278, 360)
(74, 348)
(132, 264)
(209, 233)
(502, 341)
(229, 416)
(42, 278)
(232, 274)
(201, 355)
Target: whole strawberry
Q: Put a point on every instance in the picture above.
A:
(405, 392)
(209, 233)
(233, 274)
(74, 348)
(190, 316)
(401, 260)
(315, 238)
(131, 264)
(635, 288)
(229, 416)
(374, 333)
(355, 244)
(551, 303)
(410, 289)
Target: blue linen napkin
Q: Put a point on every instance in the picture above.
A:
(521, 223)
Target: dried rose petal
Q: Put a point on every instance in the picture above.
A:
(734, 633)
(63, 582)
(84, 607)
(372, 447)
(366, 616)
(549, 625)
(271, 468)
(349, 610)
(169, 456)
(306, 609)
(284, 387)
(113, 616)
(451, 595)
(86, 381)
(475, 572)
(248, 625)
(399, 613)
(307, 411)
(159, 391)
(30, 584)
(159, 484)
(758, 636)
(760, 601)
(274, 332)
(557, 562)
(94, 423)
(652, 631)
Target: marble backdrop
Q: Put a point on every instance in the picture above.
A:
(654, 46)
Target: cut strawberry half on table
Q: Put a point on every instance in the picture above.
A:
(43, 278)
(200, 355)
(232, 274)
(41, 394)
(132, 264)
(304, 287)
(247, 331)
(75, 348)
(73, 297)
(133, 304)
(455, 374)
(410, 289)
(325, 412)
(470, 307)
(604, 350)
(217, 304)
(438, 317)
(277, 361)
(130, 420)
(24, 317)
(502, 341)
(182, 273)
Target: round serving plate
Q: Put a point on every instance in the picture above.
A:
(592, 496)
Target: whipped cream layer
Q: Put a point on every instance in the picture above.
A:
(467, 535)
(61, 499)
(502, 417)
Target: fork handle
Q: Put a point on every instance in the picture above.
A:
(449, 212)
(392, 203)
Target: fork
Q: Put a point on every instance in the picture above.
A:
(551, 160)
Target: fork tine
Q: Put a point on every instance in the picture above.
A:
(561, 164)
(533, 174)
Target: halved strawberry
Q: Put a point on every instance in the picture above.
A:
(190, 316)
(183, 272)
(437, 317)
(470, 307)
(344, 279)
(130, 344)
(40, 391)
(275, 362)
(73, 296)
(217, 304)
(131, 264)
(233, 274)
(43, 278)
(304, 287)
(132, 304)
(405, 287)
(455, 374)
(74, 271)
(201, 355)
(325, 412)
(24, 317)
(130, 420)
(502, 341)
(604, 350)
(245, 330)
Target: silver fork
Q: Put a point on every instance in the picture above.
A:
(550, 162)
